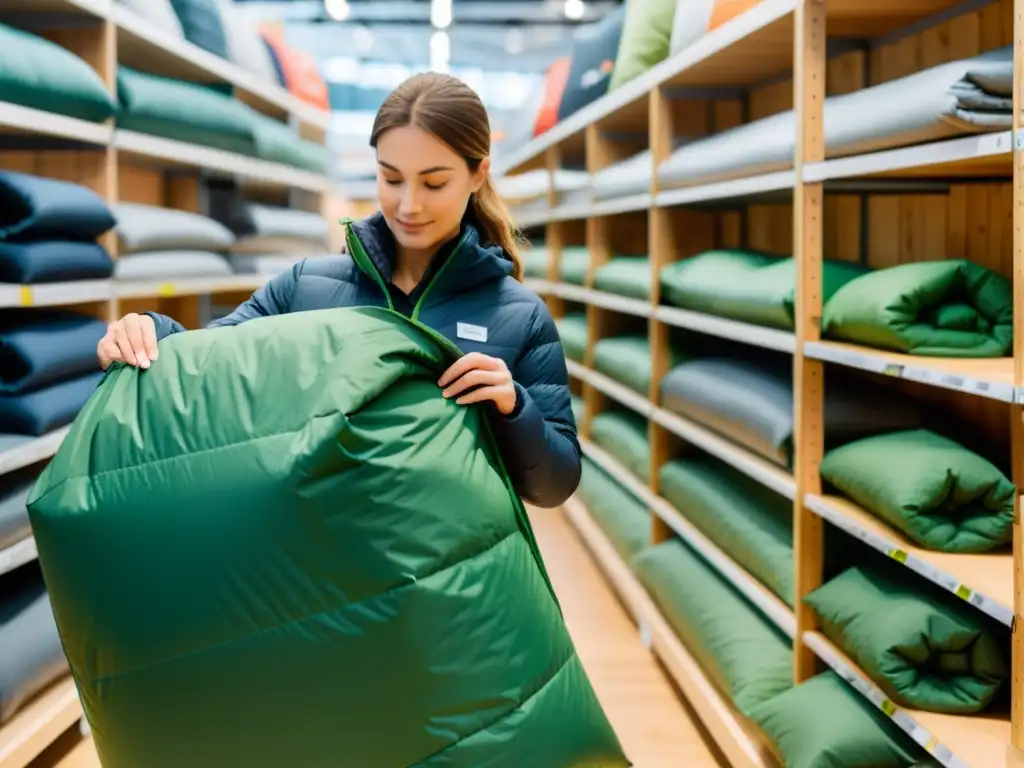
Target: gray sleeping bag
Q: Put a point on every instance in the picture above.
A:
(14, 521)
(966, 96)
(751, 402)
(31, 654)
(631, 176)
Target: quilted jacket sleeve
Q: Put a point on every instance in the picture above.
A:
(538, 440)
(274, 298)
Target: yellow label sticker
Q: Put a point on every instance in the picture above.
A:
(888, 707)
(893, 369)
(964, 593)
(898, 555)
(166, 289)
(27, 297)
(931, 744)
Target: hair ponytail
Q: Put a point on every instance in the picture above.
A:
(491, 217)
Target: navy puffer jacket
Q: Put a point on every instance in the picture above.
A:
(468, 296)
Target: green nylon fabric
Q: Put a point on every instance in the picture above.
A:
(646, 34)
(535, 263)
(745, 285)
(578, 408)
(926, 649)
(950, 308)
(621, 516)
(572, 331)
(747, 521)
(39, 74)
(626, 276)
(623, 435)
(281, 545)
(939, 493)
(742, 651)
(823, 723)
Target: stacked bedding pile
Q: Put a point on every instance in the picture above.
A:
(947, 308)
(961, 97)
(48, 366)
(625, 276)
(159, 243)
(535, 262)
(270, 239)
(33, 658)
(200, 114)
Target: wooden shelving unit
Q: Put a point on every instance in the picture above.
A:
(127, 166)
(791, 54)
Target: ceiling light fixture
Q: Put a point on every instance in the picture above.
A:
(575, 9)
(441, 13)
(337, 9)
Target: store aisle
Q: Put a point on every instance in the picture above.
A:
(654, 726)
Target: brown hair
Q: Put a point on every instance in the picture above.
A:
(447, 108)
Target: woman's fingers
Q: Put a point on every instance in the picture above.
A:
(108, 351)
(467, 363)
(131, 340)
(475, 378)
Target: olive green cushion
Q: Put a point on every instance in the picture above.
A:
(572, 330)
(623, 435)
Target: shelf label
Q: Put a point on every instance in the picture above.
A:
(898, 555)
(26, 296)
(964, 593)
(165, 290)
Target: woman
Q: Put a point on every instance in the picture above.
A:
(441, 250)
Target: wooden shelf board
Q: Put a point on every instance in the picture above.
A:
(872, 18)
(957, 741)
(611, 301)
(986, 377)
(15, 118)
(56, 294)
(186, 286)
(169, 153)
(31, 450)
(97, 9)
(16, 555)
(986, 155)
(740, 741)
(723, 327)
(39, 724)
(984, 580)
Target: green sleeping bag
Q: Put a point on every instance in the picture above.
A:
(750, 523)
(623, 434)
(746, 656)
(574, 264)
(535, 263)
(952, 308)
(623, 518)
(940, 494)
(572, 330)
(748, 286)
(627, 359)
(578, 407)
(824, 723)
(925, 648)
(282, 546)
(626, 276)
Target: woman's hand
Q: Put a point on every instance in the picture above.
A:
(131, 340)
(489, 374)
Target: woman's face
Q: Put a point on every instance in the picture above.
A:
(423, 186)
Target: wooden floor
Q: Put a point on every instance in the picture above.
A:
(655, 727)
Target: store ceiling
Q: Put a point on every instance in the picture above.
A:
(491, 35)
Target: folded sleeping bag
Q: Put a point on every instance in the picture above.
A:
(949, 308)
(627, 359)
(572, 330)
(53, 261)
(32, 657)
(967, 96)
(578, 408)
(535, 263)
(750, 402)
(939, 493)
(34, 208)
(48, 408)
(752, 287)
(631, 176)
(574, 263)
(926, 648)
(14, 522)
(746, 656)
(155, 228)
(281, 543)
(825, 723)
(40, 347)
(749, 522)
(623, 434)
(624, 519)
(625, 276)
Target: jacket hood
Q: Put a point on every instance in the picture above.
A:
(469, 262)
